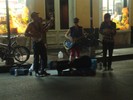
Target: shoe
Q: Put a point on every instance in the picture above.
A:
(105, 69)
(45, 73)
(110, 69)
(59, 72)
(37, 74)
(70, 69)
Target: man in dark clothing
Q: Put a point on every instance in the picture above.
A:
(36, 32)
(108, 30)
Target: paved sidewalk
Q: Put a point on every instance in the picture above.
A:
(115, 85)
(118, 55)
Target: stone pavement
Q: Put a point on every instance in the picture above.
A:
(115, 85)
(120, 54)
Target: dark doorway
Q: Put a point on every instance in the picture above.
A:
(64, 22)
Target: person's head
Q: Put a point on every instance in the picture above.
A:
(107, 17)
(35, 16)
(76, 20)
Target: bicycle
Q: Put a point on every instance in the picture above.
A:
(9, 53)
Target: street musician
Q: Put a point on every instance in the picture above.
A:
(36, 31)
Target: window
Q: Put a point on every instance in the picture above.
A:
(18, 15)
(60, 8)
(119, 12)
(64, 14)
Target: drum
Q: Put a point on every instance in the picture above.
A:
(68, 44)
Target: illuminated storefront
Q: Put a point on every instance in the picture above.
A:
(120, 14)
(18, 16)
(64, 11)
(119, 10)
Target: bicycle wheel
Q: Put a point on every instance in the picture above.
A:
(21, 54)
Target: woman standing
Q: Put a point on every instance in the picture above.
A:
(74, 34)
(108, 31)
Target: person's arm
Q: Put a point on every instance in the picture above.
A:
(45, 28)
(103, 30)
(114, 30)
(27, 31)
(31, 32)
(67, 34)
(83, 33)
(48, 25)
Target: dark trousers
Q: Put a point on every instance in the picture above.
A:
(40, 56)
(107, 47)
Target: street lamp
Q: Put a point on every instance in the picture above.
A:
(8, 23)
(91, 14)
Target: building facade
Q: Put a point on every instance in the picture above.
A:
(90, 13)
(66, 10)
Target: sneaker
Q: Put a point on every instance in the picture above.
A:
(37, 74)
(59, 72)
(105, 69)
(110, 69)
(45, 73)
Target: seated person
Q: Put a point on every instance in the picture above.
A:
(81, 64)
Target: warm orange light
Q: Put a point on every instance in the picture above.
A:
(18, 19)
(123, 24)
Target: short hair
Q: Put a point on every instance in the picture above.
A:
(107, 15)
(76, 20)
(34, 14)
